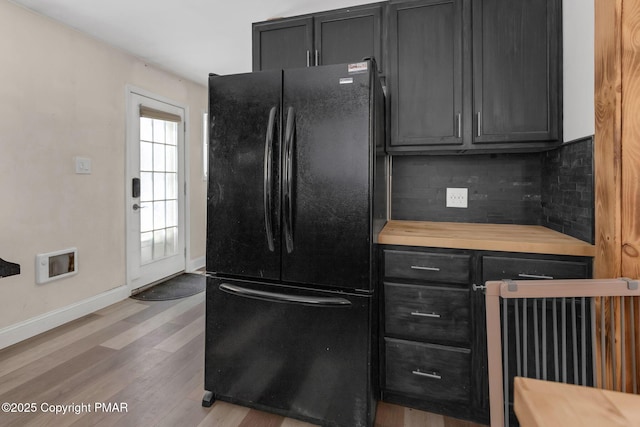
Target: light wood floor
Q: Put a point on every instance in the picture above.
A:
(145, 357)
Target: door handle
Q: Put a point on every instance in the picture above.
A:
(288, 178)
(137, 206)
(268, 176)
(280, 297)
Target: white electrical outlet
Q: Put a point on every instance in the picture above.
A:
(457, 197)
(83, 165)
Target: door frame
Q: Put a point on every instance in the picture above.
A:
(131, 90)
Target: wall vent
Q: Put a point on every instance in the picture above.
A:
(56, 265)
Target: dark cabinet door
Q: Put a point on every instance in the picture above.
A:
(516, 70)
(425, 52)
(285, 43)
(348, 36)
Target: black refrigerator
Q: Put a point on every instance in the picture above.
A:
(296, 198)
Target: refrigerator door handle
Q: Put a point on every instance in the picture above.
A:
(288, 179)
(268, 177)
(285, 298)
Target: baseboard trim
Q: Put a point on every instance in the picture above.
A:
(196, 264)
(36, 325)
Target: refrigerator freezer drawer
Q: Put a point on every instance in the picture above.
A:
(297, 352)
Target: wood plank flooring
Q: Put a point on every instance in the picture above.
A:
(145, 359)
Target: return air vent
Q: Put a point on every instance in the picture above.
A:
(56, 265)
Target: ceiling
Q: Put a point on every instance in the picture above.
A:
(190, 38)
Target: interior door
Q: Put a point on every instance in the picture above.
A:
(155, 188)
(328, 154)
(243, 201)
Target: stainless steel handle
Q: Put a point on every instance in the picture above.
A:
(288, 177)
(459, 125)
(268, 174)
(317, 58)
(420, 314)
(479, 122)
(286, 298)
(137, 206)
(308, 59)
(433, 375)
(417, 267)
(478, 288)
(534, 276)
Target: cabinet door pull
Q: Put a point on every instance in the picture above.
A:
(417, 267)
(433, 375)
(417, 313)
(317, 58)
(458, 125)
(535, 276)
(308, 58)
(479, 122)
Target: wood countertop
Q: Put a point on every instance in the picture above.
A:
(540, 403)
(491, 237)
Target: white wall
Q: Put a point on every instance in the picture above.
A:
(578, 84)
(62, 94)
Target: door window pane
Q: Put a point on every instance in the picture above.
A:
(158, 189)
(159, 186)
(146, 129)
(146, 186)
(158, 131)
(171, 133)
(146, 217)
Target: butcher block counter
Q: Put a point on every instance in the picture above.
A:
(490, 237)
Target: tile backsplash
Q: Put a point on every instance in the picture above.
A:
(502, 188)
(553, 188)
(568, 200)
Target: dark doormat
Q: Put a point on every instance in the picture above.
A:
(180, 286)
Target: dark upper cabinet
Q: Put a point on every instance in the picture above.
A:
(283, 43)
(335, 37)
(516, 70)
(426, 84)
(474, 75)
(348, 36)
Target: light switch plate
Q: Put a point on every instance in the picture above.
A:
(457, 197)
(83, 165)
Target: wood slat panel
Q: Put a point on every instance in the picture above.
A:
(607, 142)
(631, 139)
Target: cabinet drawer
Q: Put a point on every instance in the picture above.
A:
(427, 370)
(426, 266)
(427, 313)
(497, 268)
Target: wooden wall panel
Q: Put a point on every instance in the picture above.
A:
(617, 177)
(631, 139)
(607, 143)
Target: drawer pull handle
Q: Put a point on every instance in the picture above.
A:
(417, 313)
(433, 375)
(417, 267)
(534, 276)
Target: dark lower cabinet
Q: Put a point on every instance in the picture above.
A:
(433, 322)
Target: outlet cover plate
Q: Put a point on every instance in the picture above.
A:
(457, 197)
